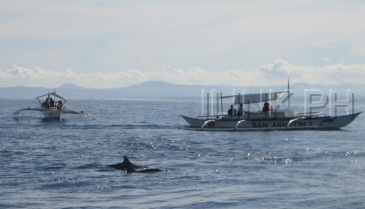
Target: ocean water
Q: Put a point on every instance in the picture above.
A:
(53, 164)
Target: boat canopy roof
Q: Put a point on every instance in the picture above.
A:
(255, 98)
(53, 94)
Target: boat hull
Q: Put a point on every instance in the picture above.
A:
(52, 114)
(236, 123)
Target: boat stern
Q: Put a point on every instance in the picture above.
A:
(52, 114)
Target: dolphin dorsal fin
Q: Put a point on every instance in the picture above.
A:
(128, 165)
(126, 160)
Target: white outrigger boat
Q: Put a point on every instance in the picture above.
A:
(268, 119)
(51, 110)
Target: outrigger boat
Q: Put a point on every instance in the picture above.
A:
(268, 119)
(52, 111)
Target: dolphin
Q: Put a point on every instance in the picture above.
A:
(126, 163)
(132, 168)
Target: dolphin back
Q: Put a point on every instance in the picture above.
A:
(126, 165)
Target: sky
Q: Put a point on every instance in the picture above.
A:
(111, 44)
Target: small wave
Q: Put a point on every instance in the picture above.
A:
(88, 166)
(274, 159)
(120, 126)
(53, 167)
(147, 126)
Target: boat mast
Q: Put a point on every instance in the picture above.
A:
(222, 103)
(288, 95)
(207, 105)
(217, 103)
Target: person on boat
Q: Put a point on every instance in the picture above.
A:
(240, 110)
(51, 102)
(232, 111)
(45, 104)
(59, 105)
(266, 107)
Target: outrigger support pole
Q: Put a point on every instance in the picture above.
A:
(292, 120)
(205, 123)
(235, 128)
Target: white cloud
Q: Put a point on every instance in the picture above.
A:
(328, 74)
(92, 43)
(112, 35)
(275, 73)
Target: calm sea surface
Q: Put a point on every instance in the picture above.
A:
(52, 164)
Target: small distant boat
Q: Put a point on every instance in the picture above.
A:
(267, 118)
(52, 109)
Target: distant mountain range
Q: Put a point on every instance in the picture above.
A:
(162, 89)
